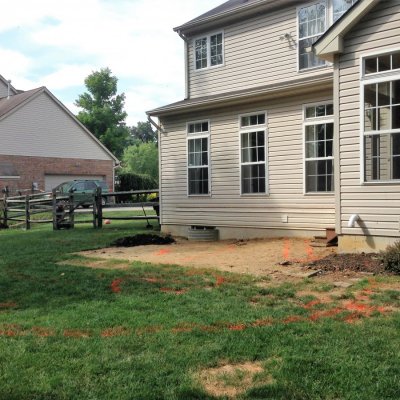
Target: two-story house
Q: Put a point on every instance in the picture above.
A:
(278, 133)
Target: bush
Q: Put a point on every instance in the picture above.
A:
(128, 181)
(391, 258)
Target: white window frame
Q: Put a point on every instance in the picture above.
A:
(249, 129)
(208, 37)
(332, 20)
(370, 79)
(327, 119)
(10, 177)
(198, 135)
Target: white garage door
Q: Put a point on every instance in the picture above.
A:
(51, 181)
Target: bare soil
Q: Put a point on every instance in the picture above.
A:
(273, 257)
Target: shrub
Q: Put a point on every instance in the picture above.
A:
(391, 258)
(128, 181)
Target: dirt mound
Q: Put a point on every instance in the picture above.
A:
(142, 240)
(350, 262)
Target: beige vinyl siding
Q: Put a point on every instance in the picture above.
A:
(377, 204)
(42, 129)
(255, 55)
(226, 206)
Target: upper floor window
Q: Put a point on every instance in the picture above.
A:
(198, 158)
(312, 24)
(318, 127)
(340, 7)
(209, 51)
(381, 121)
(313, 20)
(253, 154)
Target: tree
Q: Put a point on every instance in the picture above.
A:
(143, 132)
(141, 159)
(103, 110)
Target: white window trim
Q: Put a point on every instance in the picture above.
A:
(10, 177)
(248, 129)
(199, 135)
(370, 79)
(208, 36)
(327, 119)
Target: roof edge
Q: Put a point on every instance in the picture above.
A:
(331, 42)
(240, 10)
(238, 97)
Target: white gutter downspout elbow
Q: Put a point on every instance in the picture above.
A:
(352, 221)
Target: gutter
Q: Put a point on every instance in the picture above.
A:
(185, 39)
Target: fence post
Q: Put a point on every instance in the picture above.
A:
(71, 211)
(27, 213)
(5, 213)
(99, 207)
(54, 198)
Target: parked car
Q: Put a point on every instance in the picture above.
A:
(83, 190)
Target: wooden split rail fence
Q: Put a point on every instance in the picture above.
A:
(60, 210)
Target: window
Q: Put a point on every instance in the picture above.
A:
(312, 24)
(340, 7)
(253, 145)
(381, 120)
(209, 51)
(198, 158)
(318, 128)
(313, 20)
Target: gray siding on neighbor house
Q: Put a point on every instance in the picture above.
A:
(377, 204)
(4, 89)
(226, 207)
(256, 54)
(41, 128)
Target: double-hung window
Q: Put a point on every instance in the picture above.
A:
(209, 51)
(313, 20)
(381, 117)
(318, 135)
(198, 145)
(253, 153)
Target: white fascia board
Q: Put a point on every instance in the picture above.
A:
(332, 42)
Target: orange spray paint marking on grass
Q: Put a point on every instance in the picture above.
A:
(286, 249)
(115, 285)
(219, 281)
(239, 327)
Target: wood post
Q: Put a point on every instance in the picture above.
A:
(99, 207)
(27, 213)
(54, 198)
(95, 209)
(71, 211)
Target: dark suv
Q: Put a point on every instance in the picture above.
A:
(83, 190)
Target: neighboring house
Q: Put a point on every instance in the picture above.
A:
(268, 141)
(42, 143)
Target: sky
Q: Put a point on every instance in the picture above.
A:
(58, 43)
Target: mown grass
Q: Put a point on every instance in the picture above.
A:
(67, 333)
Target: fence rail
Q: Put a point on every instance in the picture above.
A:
(60, 210)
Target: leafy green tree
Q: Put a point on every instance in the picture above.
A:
(103, 110)
(143, 132)
(141, 159)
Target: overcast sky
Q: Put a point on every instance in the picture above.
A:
(57, 43)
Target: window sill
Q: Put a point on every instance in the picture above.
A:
(325, 194)
(378, 183)
(320, 67)
(246, 195)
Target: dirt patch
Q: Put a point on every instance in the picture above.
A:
(142, 240)
(350, 262)
(231, 380)
(256, 257)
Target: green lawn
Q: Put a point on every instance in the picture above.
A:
(69, 332)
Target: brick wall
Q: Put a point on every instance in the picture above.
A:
(34, 169)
